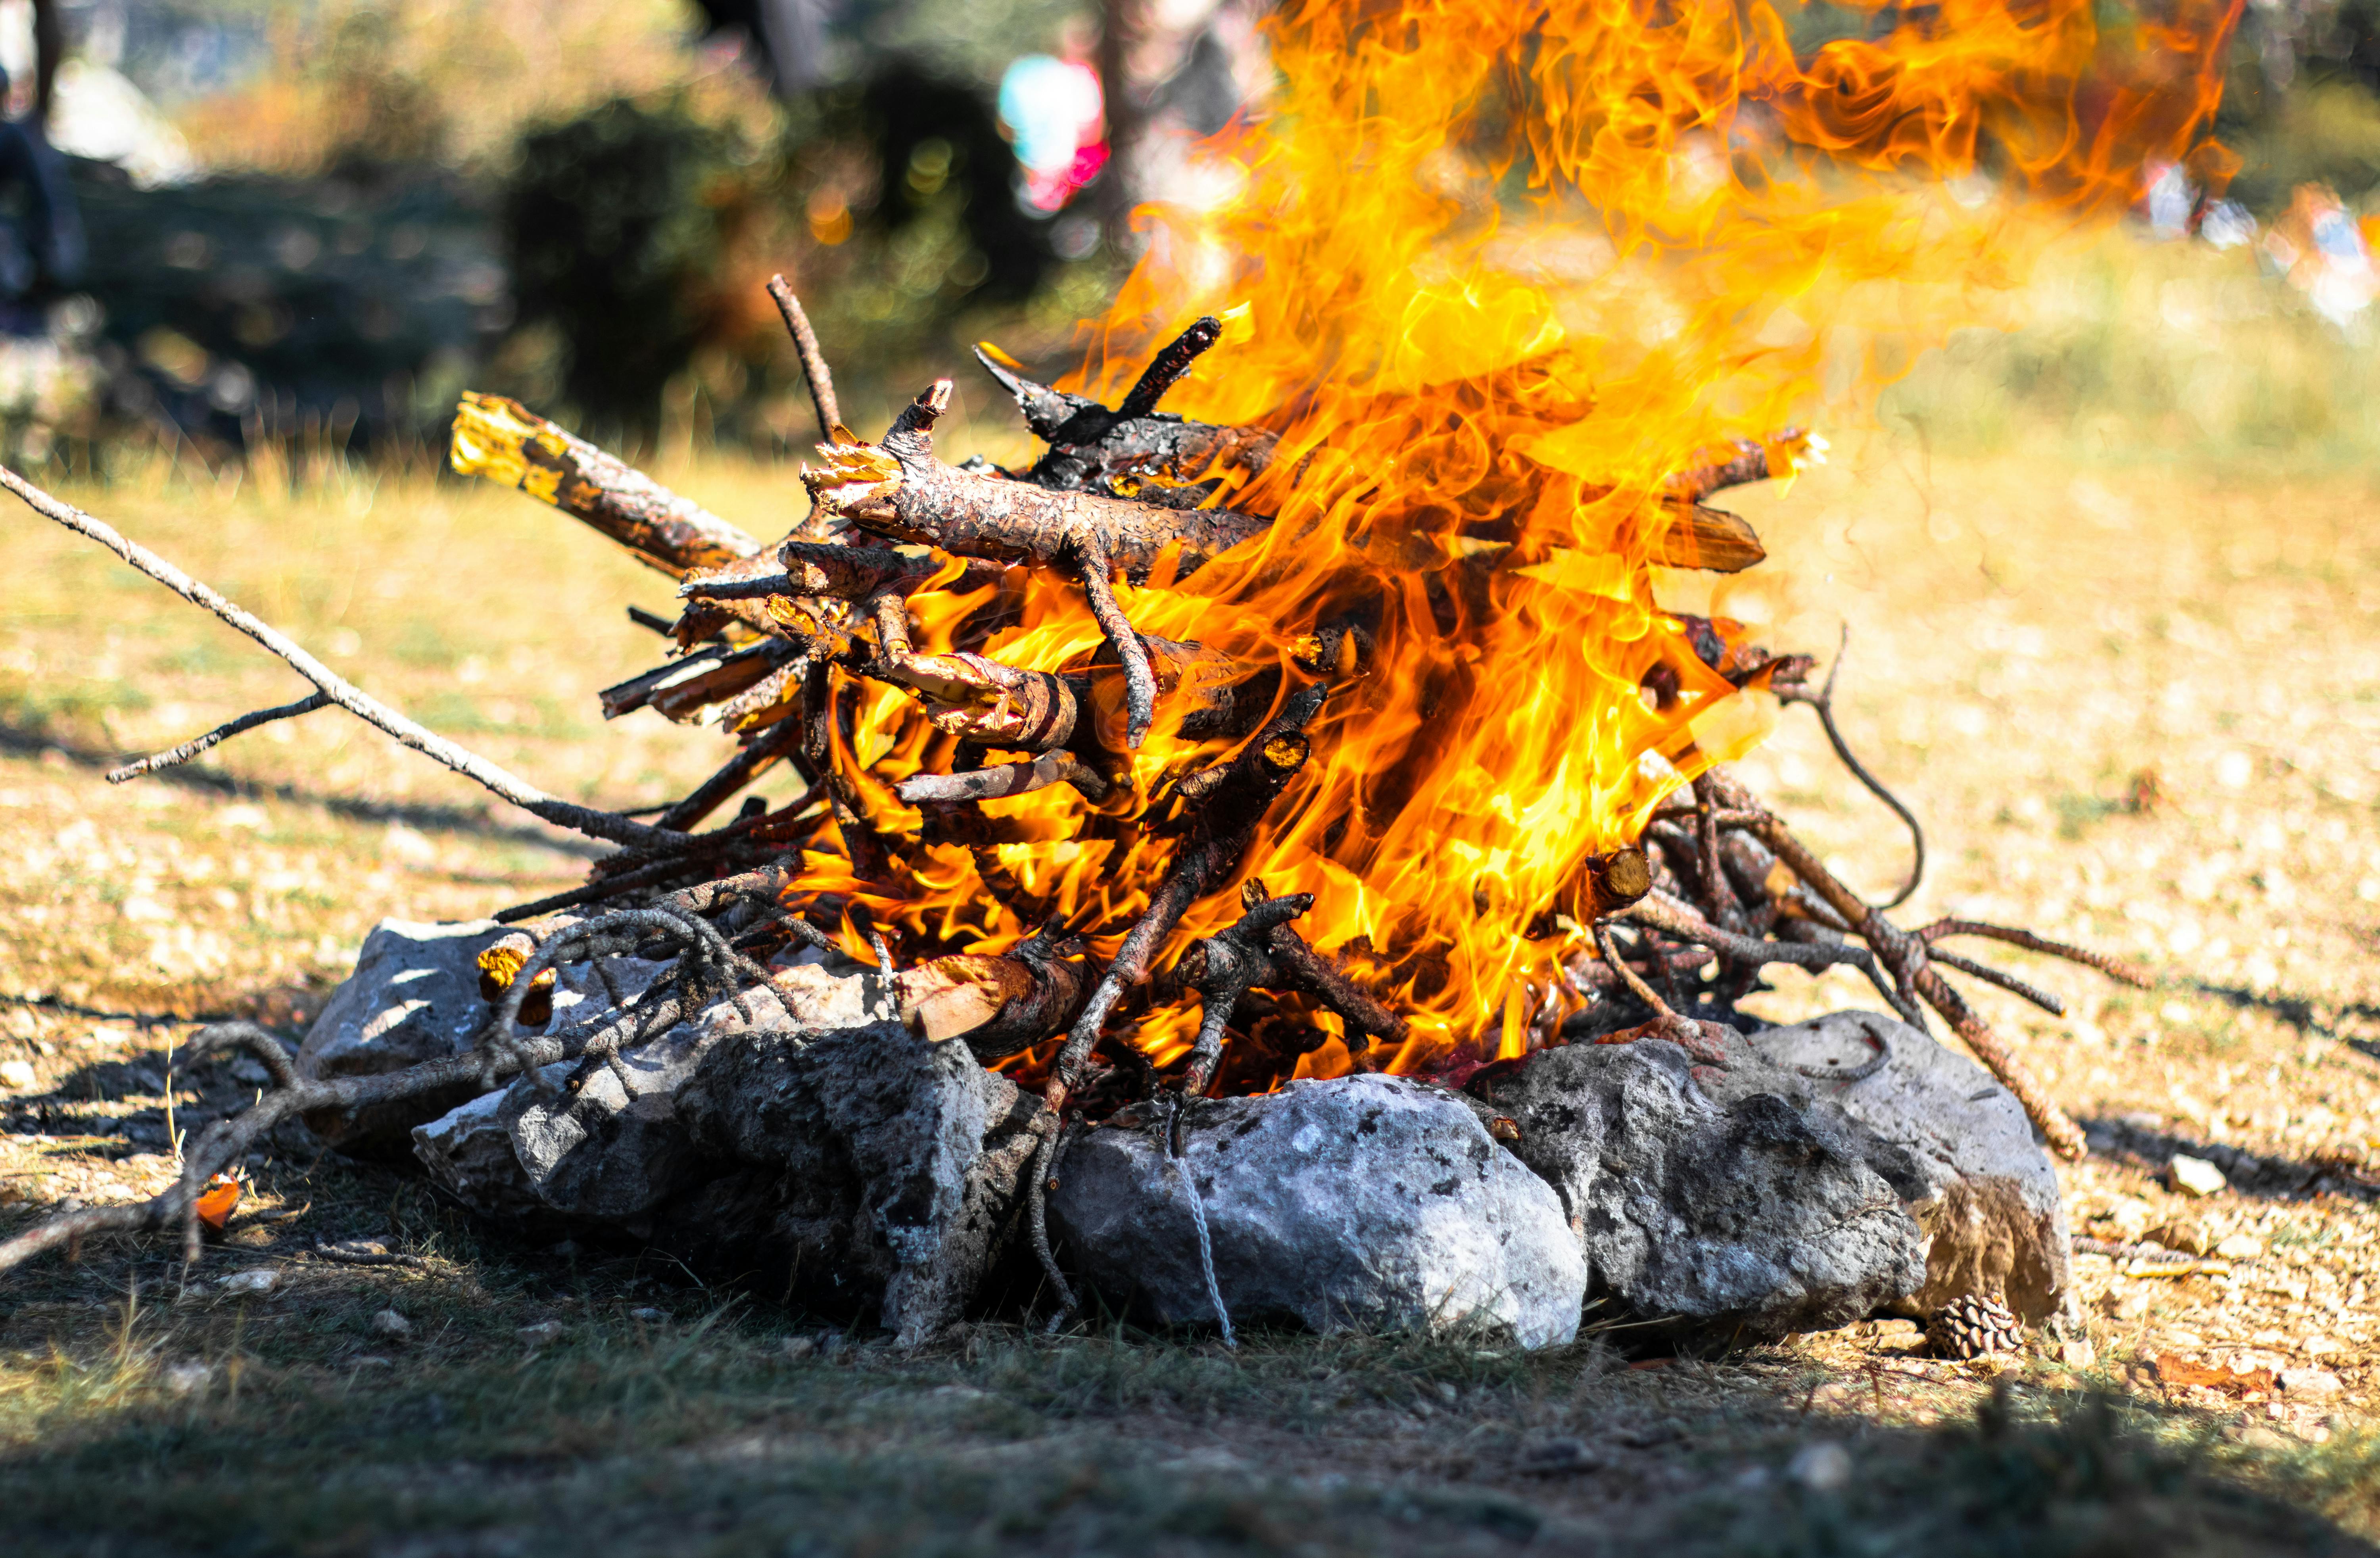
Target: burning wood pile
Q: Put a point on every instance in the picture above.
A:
(1339, 739)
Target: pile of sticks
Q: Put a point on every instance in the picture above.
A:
(775, 645)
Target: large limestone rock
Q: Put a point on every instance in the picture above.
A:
(1738, 1220)
(1954, 1145)
(870, 1170)
(1364, 1202)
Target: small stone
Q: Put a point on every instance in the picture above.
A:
(2311, 1382)
(1822, 1467)
(16, 1075)
(2240, 1247)
(1555, 1457)
(388, 1322)
(2077, 1353)
(649, 1315)
(2128, 1217)
(256, 1280)
(799, 1347)
(2195, 1176)
(371, 1361)
(187, 1378)
(538, 1336)
(2184, 1234)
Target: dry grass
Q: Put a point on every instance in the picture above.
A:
(2032, 633)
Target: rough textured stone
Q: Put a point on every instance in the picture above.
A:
(1748, 1219)
(1954, 1145)
(1364, 1202)
(469, 1151)
(876, 1170)
(414, 996)
(610, 1148)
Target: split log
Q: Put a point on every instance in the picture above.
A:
(999, 1004)
(508, 443)
(1696, 536)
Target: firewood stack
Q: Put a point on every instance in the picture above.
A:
(778, 646)
(857, 652)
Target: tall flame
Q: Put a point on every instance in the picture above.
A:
(1500, 271)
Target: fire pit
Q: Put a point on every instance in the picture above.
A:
(1281, 860)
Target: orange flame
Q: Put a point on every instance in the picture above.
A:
(1724, 223)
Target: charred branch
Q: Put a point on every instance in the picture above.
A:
(754, 759)
(1226, 802)
(1136, 450)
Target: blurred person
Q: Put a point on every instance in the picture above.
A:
(1054, 114)
(2317, 245)
(789, 35)
(41, 247)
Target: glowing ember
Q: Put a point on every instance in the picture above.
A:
(1477, 436)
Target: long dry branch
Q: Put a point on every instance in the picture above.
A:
(336, 689)
(508, 443)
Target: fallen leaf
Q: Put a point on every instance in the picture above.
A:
(2173, 1370)
(216, 1201)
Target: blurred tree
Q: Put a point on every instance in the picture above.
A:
(619, 225)
(938, 143)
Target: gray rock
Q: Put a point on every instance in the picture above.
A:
(414, 996)
(1364, 1203)
(469, 1151)
(594, 1141)
(1952, 1143)
(876, 1170)
(1750, 1219)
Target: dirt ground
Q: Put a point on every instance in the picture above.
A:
(2136, 707)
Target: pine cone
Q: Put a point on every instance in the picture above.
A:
(1972, 1325)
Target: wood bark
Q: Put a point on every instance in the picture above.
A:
(898, 489)
(507, 443)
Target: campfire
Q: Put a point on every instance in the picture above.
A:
(1307, 708)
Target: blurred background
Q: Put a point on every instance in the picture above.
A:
(308, 224)
(230, 221)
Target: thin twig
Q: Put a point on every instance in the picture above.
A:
(217, 736)
(562, 813)
(806, 345)
(1139, 679)
(2116, 969)
(1823, 700)
(1989, 975)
